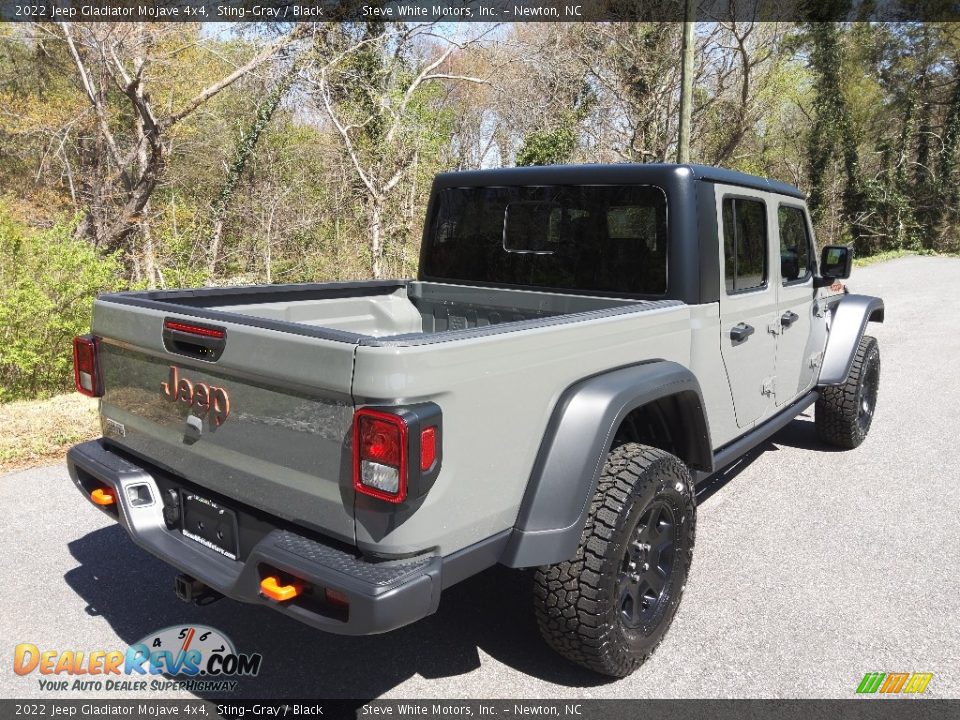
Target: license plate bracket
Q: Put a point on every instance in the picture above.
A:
(209, 524)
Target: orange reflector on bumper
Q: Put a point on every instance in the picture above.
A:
(335, 597)
(102, 496)
(271, 588)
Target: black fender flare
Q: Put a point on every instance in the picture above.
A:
(575, 446)
(850, 318)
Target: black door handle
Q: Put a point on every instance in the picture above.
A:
(788, 318)
(740, 332)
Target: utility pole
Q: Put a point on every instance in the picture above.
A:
(686, 83)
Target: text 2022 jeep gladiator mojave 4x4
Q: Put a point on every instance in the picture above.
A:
(583, 344)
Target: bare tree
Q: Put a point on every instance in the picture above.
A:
(375, 91)
(739, 66)
(115, 60)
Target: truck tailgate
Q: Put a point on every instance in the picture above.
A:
(283, 445)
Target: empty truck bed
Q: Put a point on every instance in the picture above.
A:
(381, 312)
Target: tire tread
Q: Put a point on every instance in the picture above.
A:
(569, 600)
(838, 407)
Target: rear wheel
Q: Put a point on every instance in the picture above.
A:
(609, 607)
(844, 413)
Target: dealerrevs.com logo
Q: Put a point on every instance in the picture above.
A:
(196, 658)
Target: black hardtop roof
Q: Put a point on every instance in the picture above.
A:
(616, 174)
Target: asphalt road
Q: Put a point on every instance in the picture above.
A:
(812, 566)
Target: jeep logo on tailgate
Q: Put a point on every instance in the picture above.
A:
(203, 397)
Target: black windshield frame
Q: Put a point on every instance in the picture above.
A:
(598, 261)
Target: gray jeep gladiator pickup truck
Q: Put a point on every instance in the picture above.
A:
(582, 345)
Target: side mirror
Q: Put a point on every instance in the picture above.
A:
(836, 262)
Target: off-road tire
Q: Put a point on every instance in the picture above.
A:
(845, 412)
(581, 604)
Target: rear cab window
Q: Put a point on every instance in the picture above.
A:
(587, 239)
(745, 240)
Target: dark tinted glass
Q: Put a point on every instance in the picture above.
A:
(585, 238)
(745, 243)
(730, 244)
(794, 244)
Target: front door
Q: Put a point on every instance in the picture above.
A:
(803, 328)
(748, 301)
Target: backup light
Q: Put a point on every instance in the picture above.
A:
(86, 370)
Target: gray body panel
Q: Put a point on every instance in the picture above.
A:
(850, 318)
(497, 391)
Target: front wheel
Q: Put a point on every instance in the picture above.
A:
(609, 607)
(844, 413)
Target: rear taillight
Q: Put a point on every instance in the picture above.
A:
(86, 365)
(380, 455)
(396, 451)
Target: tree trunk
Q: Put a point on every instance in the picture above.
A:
(267, 251)
(150, 269)
(213, 246)
(686, 84)
(375, 226)
(146, 237)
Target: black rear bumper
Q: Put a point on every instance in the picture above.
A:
(381, 596)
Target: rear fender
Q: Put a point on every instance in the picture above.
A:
(575, 446)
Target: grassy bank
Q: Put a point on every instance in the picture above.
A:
(38, 431)
(894, 255)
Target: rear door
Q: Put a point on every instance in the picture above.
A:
(264, 423)
(803, 331)
(748, 301)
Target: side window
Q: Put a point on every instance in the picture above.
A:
(745, 243)
(794, 244)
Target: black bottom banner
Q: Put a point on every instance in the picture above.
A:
(858, 709)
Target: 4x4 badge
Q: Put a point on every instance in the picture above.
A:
(203, 397)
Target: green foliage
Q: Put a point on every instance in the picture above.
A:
(831, 137)
(882, 151)
(892, 210)
(48, 281)
(179, 232)
(547, 147)
(888, 255)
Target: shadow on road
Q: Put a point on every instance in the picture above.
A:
(800, 433)
(706, 489)
(492, 612)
